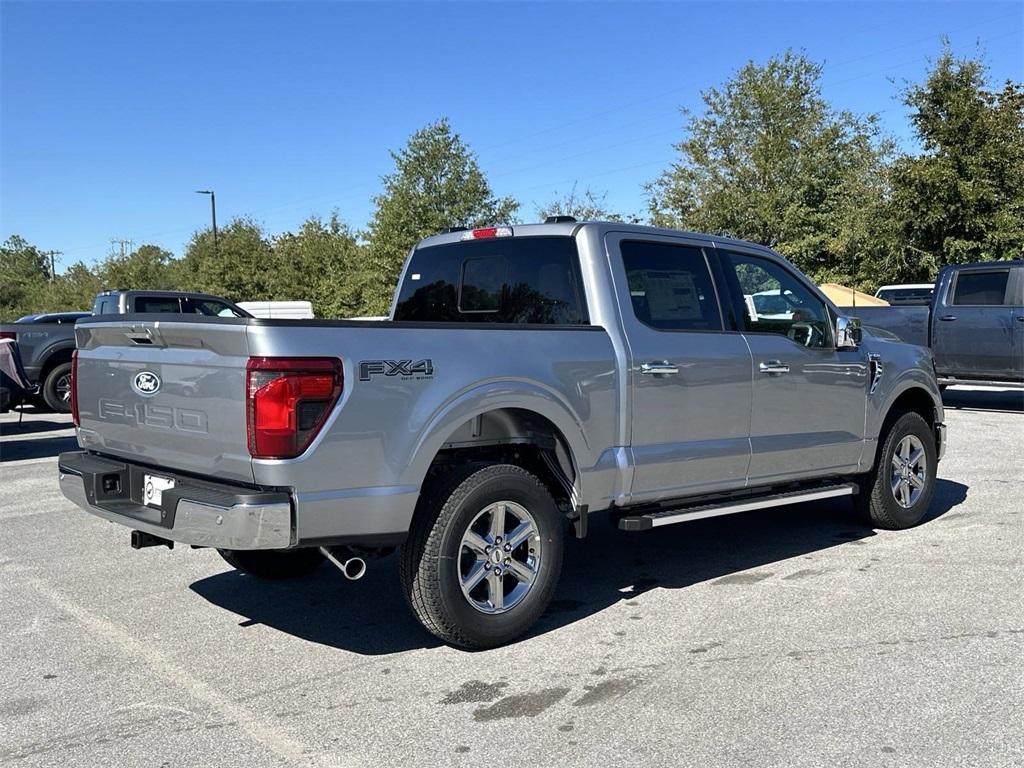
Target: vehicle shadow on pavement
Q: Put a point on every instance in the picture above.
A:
(368, 616)
(32, 426)
(609, 566)
(38, 448)
(1001, 400)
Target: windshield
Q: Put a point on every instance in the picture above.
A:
(771, 304)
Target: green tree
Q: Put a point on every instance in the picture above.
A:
(148, 266)
(76, 288)
(240, 268)
(436, 184)
(320, 263)
(24, 277)
(770, 160)
(587, 205)
(962, 197)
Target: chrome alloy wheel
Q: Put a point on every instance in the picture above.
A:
(499, 557)
(63, 388)
(909, 471)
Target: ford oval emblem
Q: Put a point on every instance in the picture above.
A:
(146, 383)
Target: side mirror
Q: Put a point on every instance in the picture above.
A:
(848, 333)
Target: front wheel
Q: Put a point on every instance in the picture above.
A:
(274, 563)
(483, 556)
(898, 491)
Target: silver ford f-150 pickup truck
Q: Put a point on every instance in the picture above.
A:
(528, 376)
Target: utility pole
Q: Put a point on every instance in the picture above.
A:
(53, 261)
(126, 245)
(213, 213)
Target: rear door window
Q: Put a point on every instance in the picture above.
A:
(981, 288)
(499, 280)
(670, 286)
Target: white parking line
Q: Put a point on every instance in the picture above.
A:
(261, 729)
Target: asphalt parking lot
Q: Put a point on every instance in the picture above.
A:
(785, 637)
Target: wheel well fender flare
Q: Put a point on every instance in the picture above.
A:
(496, 396)
(55, 355)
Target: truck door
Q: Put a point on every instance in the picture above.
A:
(689, 379)
(809, 399)
(973, 325)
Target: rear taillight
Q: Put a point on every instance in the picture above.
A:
(74, 388)
(287, 402)
(9, 335)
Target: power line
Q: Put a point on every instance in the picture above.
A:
(349, 192)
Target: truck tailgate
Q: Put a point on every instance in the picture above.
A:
(166, 392)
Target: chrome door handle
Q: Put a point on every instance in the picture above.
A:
(948, 318)
(658, 369)
(774, 367)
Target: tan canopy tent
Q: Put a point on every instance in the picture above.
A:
(850, 297)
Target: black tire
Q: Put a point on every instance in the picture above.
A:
(433, 555)
(274, 563)
(56, 388)
(877, 502)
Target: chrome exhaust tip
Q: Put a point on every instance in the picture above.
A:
(352, 568)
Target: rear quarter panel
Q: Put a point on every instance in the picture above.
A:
(366, 466)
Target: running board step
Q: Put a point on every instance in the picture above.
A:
(646, 521)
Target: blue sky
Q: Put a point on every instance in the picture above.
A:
(113, 113)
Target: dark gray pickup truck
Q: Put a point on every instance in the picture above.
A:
(47, 341)
(974, 326)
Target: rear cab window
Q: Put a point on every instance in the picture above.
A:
(157, 304)
(519, 280)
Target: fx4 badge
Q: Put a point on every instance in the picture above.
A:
(406, 369)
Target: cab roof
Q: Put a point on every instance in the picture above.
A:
(571, 228)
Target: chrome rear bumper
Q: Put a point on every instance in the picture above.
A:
(197, 513)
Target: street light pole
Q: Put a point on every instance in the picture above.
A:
(213, 213)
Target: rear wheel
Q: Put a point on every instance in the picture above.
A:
(898, 491)
(483, 556)
(274, 563)
(57, 389)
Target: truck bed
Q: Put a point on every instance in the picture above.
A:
(406, 388)
(909, 323)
